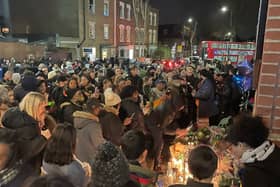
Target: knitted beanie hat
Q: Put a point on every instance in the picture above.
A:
(110, 167)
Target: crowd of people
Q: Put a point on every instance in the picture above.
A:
(111, 124)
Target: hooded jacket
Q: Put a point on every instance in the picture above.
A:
(31, 142)
(144, 177)
(89, 135)
(264, 173)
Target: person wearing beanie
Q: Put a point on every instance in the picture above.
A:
(110, 168)
(75, 100)
(112, 126)
(28, 84)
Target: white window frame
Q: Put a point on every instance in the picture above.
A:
(122, 10)
(106, 11)
(142, 34)
(106, 31)
(155, 19)
(151, 18)
(137, 34)
(128, 33)
(122, 33)
(92, 6)
(92, 30)
(128, 6)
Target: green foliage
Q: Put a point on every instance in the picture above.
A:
(162, 52)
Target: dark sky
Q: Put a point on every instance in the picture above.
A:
(209, 16)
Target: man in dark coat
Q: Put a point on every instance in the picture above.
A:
(130, 108)
(135, 79)
(74, 103)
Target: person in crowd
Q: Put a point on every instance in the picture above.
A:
(86, 87)
(133, 145)
(75, 100)
(13, 171)
(4, 101)
(112, 126)
(89, 132)
(28, 120)
(206, 96)
(135, 79)
(28, 84)
(7, 79)
(16, 78)
(258, 158)
(72, 83)
(147, 88)
(42, 88)
(49, 181)
(224, 93)
(203, 163)
(130, 108)
(120, 84)
(110, 168)
(12, 102)
(59, 158)
(57, 93)
(158, 93)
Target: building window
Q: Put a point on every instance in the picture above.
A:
(155, 36)
(128, 29)
(122, 16)
(106, 7)
(155, 19)
(106, 31)
(121, 33)
(142, 35)
(128, 6)
(151, 18)
(92, 6)
(150, 36)
(91, 29)
(137, 34)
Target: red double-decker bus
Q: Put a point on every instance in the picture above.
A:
(224, 50)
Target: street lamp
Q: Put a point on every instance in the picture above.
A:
(190, 20)
(224, 9)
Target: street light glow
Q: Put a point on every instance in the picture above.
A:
(224, 9)
(229, 33)
(190, 20)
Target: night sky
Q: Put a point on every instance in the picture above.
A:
(209, 16)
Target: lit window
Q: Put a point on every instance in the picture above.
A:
(128, 29)
(122, 10)
(91, 29)
(121, 33)
(155, 19)
(92, 6)
(106, 7)
(150, 36)
(106, 31)
(128, 6)
(151, 18)
(155, 36)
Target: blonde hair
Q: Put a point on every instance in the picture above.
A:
(30, 104)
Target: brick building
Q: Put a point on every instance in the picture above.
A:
(268, 90)
(92, 28)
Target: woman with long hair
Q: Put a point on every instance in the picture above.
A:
(59, 157)
(28, 120)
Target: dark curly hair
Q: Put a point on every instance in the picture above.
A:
(248, 129)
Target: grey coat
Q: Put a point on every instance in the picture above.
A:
(89, 135)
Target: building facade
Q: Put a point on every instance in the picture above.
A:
(97, 29)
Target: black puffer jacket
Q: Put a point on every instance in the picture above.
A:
(31, 142)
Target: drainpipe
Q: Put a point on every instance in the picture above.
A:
(115, 26)
(84, 34)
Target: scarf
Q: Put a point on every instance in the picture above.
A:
(9, 174)
(258, 154)
(111, 109)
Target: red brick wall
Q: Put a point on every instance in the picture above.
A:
(268, 91)
(20, 51)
